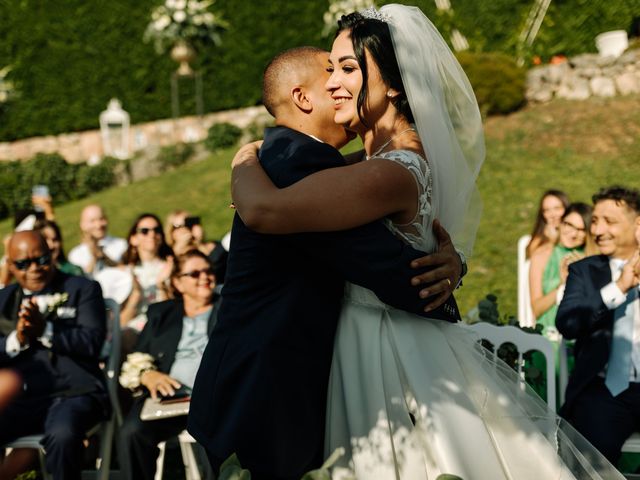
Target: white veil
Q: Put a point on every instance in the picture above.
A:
(447, 119)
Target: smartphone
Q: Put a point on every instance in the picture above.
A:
(191, 221)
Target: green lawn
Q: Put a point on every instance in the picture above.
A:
(574, 146)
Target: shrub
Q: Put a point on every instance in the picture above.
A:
(498, 82)
(222, 135)
(66, 181)
(173, 156)
(255, 130)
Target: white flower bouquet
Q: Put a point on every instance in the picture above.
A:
(184, 20)
(134, 366)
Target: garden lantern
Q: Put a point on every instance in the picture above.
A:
(114, 129)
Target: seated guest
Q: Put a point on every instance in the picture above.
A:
(98, 249)
(52, 327)
(185, 232)
(175, 336)
(549, 263)
(600, 310)
(150, 260)
(545, 231)
(51, 233)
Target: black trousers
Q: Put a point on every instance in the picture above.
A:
(139, 442)
(607, 421)
(64, 421)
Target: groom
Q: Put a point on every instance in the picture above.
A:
(261, 388)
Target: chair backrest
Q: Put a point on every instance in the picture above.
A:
(524, 342)
(525, 314)
(112, 351)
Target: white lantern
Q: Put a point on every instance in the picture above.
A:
(114, 129)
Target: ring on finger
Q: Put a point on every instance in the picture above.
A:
(448, 282)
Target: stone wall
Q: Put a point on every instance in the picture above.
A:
(584, 76)
(82, 146)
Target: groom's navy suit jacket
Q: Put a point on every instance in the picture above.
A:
(583, 316)
(262, 385)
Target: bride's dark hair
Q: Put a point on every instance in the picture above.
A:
(374, 35)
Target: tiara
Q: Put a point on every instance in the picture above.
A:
(374, 14)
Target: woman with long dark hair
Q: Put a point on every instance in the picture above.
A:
(546, 228)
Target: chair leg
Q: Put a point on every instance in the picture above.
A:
(106, 446)
(188, 458)
(160, 461)
(43, 468)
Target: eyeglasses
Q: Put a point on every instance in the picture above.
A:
(195, 274)
(572, 227)
(40, 261)
(146, 230)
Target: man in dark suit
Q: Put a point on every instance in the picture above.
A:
(52, 327)
(600, 311)
(261, 388)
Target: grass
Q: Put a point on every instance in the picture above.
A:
(574, 146)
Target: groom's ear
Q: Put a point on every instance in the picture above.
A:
(301, 99)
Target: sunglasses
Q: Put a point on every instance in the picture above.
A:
(40, 261)
(572, 227)
(146, 230)
(195, 274)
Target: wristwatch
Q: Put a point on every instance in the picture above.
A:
(463, 259)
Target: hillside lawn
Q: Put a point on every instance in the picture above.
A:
(574, 146)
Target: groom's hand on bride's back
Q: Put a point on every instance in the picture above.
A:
(444, 270)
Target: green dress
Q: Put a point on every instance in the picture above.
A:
(550, 281)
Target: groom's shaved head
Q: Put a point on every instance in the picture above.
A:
(287, 69)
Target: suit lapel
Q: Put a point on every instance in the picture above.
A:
(213, 317)
(9, 313)
(600, 271)
(173, 334)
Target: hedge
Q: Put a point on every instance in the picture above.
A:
(70, 57)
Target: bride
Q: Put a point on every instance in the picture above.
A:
(411, 398)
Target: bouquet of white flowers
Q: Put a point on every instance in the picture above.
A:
(183, 20)
(134, 366)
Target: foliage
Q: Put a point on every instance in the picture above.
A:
(187, 20)
(69, 61)
(222, 135)
(255, 130)
(30, 475)
(66, 181)
(173, 156)
(338, 8)
(498, 82)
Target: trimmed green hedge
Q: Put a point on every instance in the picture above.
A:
(70, 57)
(66, 181)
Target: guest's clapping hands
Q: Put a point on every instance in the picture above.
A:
(31, 323)
(159, 383)
(566, 261)
(247, 153)
(630, 276)
(445, 272)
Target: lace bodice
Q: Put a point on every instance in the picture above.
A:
(418, 232)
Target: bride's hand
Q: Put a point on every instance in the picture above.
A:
(247, 154)
(445, 269)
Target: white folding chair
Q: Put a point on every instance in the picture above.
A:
(191, 471)
(524, 342)
(525, 313)
(105, 429)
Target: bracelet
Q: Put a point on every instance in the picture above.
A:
(134, 366)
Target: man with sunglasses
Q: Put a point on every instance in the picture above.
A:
(52, 327)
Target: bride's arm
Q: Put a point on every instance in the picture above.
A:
(328, 200)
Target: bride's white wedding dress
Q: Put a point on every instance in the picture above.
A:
(413, 398)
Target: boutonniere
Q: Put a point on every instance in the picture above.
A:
(49, 303)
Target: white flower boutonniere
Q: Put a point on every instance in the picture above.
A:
(49, 303)
(134, 366)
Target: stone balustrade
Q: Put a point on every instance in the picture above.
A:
(78, 147)
(584, 76)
